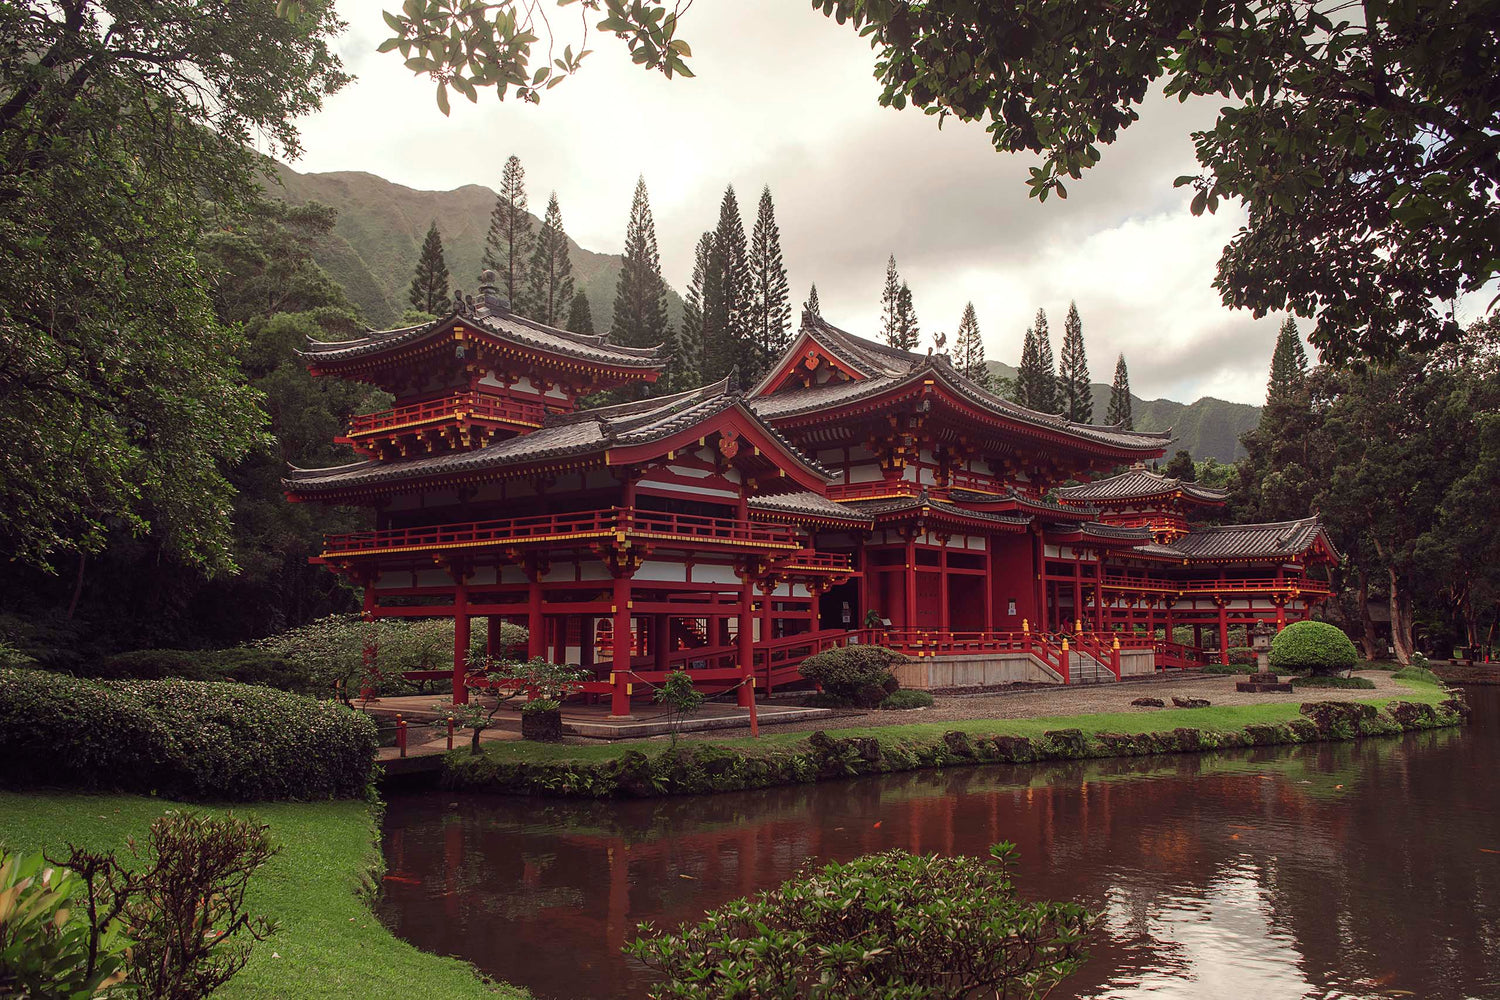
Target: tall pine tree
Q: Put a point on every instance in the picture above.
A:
(508, 244)
(1073, 376)
(890, 304)
(811, 305)
(580, 314)
(1037, 379)
(1119, 398)
(908, 333)
(685, 366)
(968, 349)
(1288, 363)
(727, 342)
(640, 294)
(1026, 368)
(770, 298)
(429, 286)
(550, 270)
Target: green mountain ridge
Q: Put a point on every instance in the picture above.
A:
(1206, 427)
(374, 245)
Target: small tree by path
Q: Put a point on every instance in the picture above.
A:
(544, 682)
(679, 694)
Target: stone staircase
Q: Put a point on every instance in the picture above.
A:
(1084, 669)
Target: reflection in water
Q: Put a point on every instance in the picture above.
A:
(1336, 870)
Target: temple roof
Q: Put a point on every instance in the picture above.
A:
(899, 505)
(489, 315)
(1282, 539)
(885, 368)
(561, 436)
(1019, 499)
(1139, 484)
(810, 504)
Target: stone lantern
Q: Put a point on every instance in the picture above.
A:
(1260, 641)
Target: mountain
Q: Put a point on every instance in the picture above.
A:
(1207, 428)
(373, 248)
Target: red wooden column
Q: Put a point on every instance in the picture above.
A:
(460, 642)
(944, 622)
(1077, 590)
(1099, 590)
(536, 638)
(1280, 613)
(1223, 629)
(989, 583)
(1039, 569)
(746, 643)
(910, 594)
(619, 703)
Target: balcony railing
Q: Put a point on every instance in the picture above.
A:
(470, 405)
(874, 491)
(620, 523)
(1238, 585)
(810, 561)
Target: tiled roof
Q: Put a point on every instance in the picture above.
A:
(813, 504)
(562, 435)
(1140, 483)
(886, 368)
(488, 314)
(1012, 495)
(896, 505)
(1243, 541)
(1115, 531)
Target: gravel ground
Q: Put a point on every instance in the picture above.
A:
(1088, 700)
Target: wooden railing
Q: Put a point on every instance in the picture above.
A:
(1175, 654)
(1238, 584)
(875, 490)
(480, 405)
(960, 479)
(812, 561)
(618, 522)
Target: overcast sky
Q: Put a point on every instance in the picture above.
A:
(787, 98)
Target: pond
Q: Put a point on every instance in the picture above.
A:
(1368, 869)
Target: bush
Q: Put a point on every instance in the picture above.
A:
(49, 947)
(1416, 673)
(182, 739)
(860, 674)
(822, 699)
(907, 699)
(1329, 681)
(1228, 668)
(1312, 647)
(1242, 655)
(884, 925)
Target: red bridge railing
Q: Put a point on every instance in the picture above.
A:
(480, 405)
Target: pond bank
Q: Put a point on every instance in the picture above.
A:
(648, 769)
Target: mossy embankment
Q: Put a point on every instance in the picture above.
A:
(640, 769)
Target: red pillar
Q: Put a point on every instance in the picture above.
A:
(536, 638)
(746, 643)
(460, 643)
(989, 583)
(619, 703)
(1077, 590)
(1223, 632)
(1038, 569)
(1099, 590)
(1280, 615)
(911, 580)
(943, 621)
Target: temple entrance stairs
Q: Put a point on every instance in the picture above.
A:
(1084, 669)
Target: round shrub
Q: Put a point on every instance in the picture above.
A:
(180, 739)
(907, 699)
(1312, 647)
(861, 674)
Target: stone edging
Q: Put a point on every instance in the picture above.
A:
(701, 768)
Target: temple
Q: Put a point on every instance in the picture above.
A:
(857, 494)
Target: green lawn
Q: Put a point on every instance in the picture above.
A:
(329, 943)
(1216, 718)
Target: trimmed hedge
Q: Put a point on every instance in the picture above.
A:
(1312, 647)
(180, 739)
(861, 674)
(245, 665)
(906, 699)
(1321, 681)
(1228, 668)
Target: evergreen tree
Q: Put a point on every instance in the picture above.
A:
(907, 334)
(640, 294)
(1288, 363)
(890, 304)
(968, 350)
(685, 366)
(1073, 376)
(508, 244)
(551, 269)
(580, 315)
(1119, 397)
(429, 286)
(811, 305)
(770, 298)
(727, 342)
(1027, 364)
(1036, 380)
(1181, 466)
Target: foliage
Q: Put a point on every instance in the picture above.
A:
(550, 270)
(859, 673)
(1036, 379)
(1242, 655)
(1333, 681)
(686, 361)
(884, 925)
(182, 738)
(968, 349)
(681, 695)
(1313, 646)
(580, 314)
(640, 317)
(246, 665)
(429, 290)
(1073, 373)
(890, 295)
(1181, 466)
(1119, 398)
(1229, 668)
(770, 311)
(49, 946)
(539, 680)
(906, 699)
(12, 657)
(726, 295)
(1417, 673)
(811, 305)
(507, 244)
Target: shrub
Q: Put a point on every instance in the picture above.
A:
(907, 699)
(1228, 668)
(187, 739)
(822, 699)
(859, 673)
(1314, 647)
(10, 656)
(1416, 673)
(1242, 655)
(1329, 681)
(884, 925)
(50, 947)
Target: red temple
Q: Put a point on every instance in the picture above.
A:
(857, 494)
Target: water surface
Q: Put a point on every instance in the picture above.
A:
(1367, 869)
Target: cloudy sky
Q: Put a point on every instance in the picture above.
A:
(787, 98)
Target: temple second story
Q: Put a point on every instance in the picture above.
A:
(1140, 498)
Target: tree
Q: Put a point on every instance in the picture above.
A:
(1181, 467)
(1362, 146)
(811, 305)
(122, 135)
(1119, 398)
(508, 244)
(580, 316)
(640, 293)
(908, 333)
(1036, 380)
(1288, 363)
(550, 269)
(429, 286)
(890, 305)
(727, 340)
(968, 349)
(1073, 378)
(685, 366)
(884, 925)
(681, 696)
(770, 318)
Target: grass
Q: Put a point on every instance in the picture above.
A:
(1421, 674)
(329, 943)
(1216, 718)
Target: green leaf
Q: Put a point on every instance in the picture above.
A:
(442, 98)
